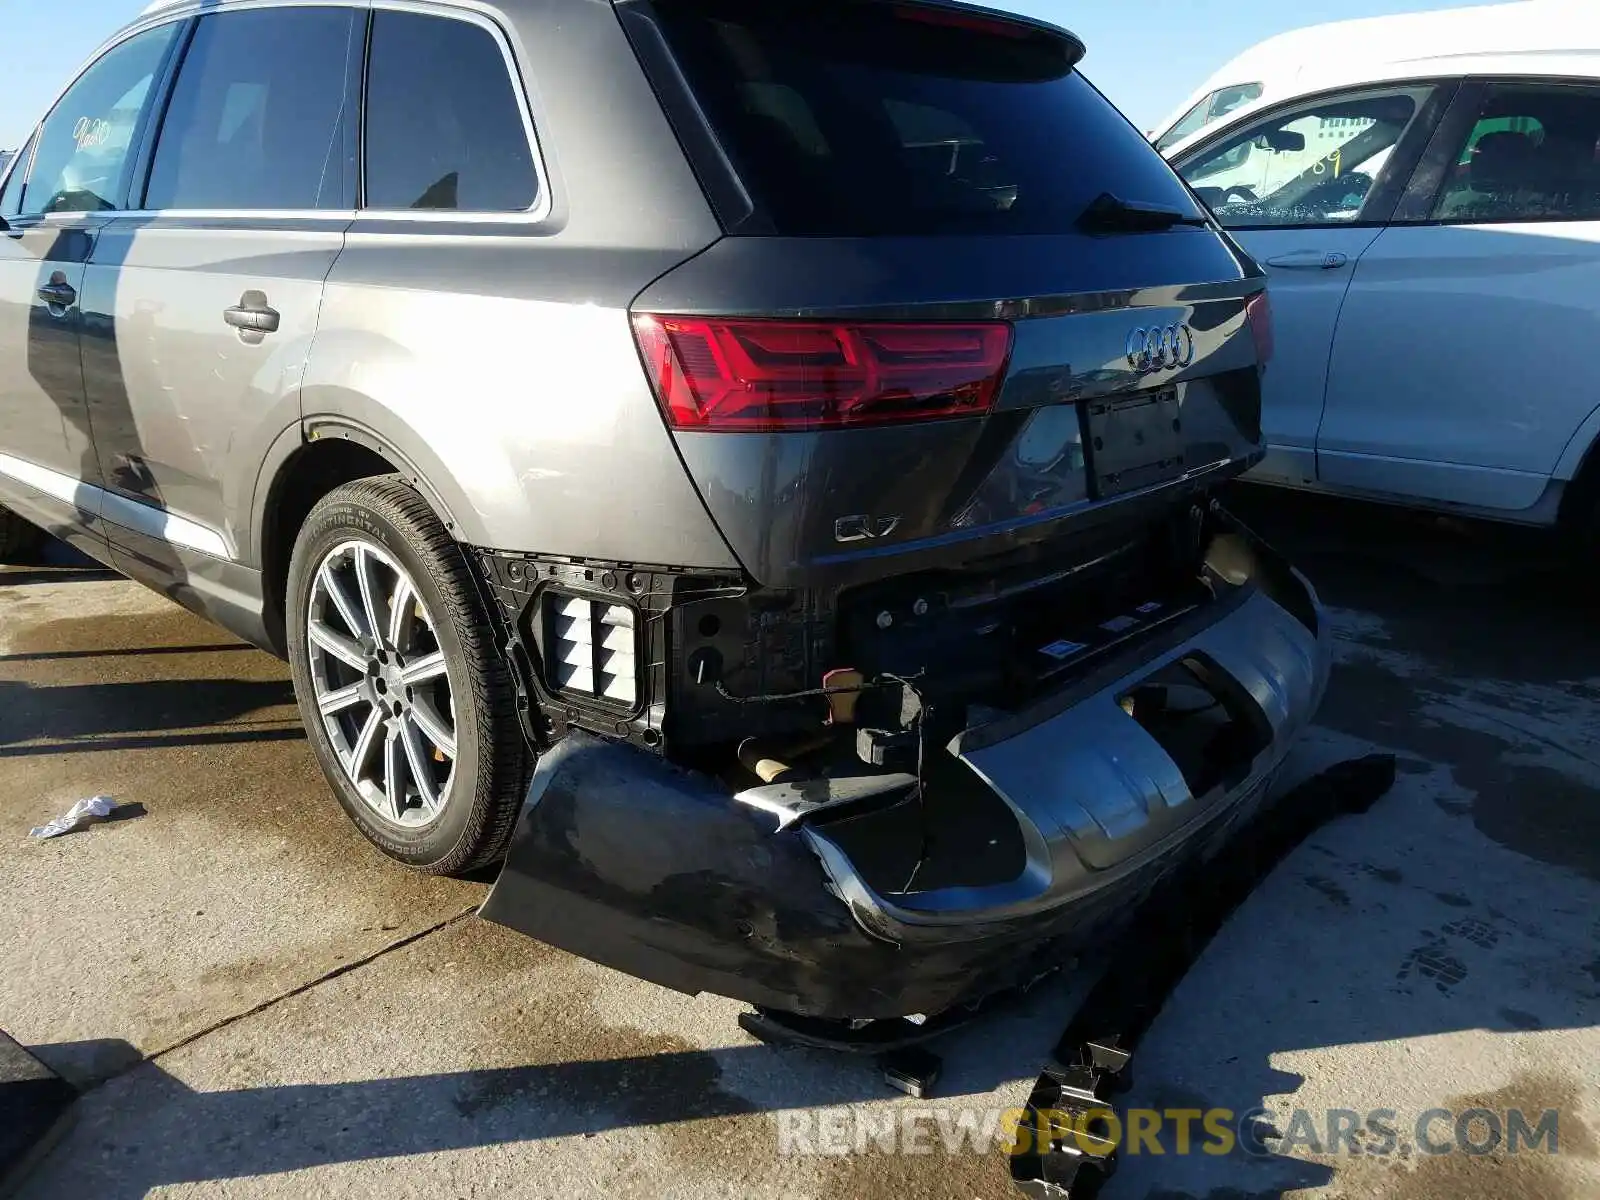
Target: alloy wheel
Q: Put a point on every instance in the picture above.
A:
(382, 683)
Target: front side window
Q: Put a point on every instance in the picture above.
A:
(444, 125)
(1212, 108)
(1532, 155)
(84, 144)
(1314, 165)
(259, 116)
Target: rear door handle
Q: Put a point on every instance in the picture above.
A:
(253, 314)
(58, 293)
(1310, 260)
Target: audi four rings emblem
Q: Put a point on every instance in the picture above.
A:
(1163, 348)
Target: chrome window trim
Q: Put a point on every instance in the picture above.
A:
(229, 214)
(479, 15)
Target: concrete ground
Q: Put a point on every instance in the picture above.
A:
(259, 1005)
(1443, 950)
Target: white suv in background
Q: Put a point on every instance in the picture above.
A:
(1289, 63)
(1432, 232)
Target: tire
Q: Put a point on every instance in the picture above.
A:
(375, 529)
(18, 538)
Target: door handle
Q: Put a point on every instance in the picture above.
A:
(253, 314)
(1310, 260)
(58, 293)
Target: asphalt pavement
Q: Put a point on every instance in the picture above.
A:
(256, 1004)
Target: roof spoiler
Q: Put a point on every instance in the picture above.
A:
(977, 19)
(953, 14)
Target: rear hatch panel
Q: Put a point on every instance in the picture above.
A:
(794, 505)
(933, 163)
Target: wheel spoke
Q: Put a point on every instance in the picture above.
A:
(430, 666)
(394, 767)
(362, 750)
(417, 758)
(367, 581)
(400, 606)
(433, 725)
(336, 644)
(346, 697)
(341, 599)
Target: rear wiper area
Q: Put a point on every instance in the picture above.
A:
(1112, 214)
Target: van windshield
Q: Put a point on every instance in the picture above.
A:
(849, 119)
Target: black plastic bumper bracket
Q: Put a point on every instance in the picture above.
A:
(1091, 1064)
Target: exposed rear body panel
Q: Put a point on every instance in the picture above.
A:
(951, 490)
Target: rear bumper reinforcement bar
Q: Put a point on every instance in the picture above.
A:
(623, 858)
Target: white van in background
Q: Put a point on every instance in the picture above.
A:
(1426, 201)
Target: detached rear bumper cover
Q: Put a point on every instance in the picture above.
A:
(624, 859)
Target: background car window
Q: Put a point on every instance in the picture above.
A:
(258, 116)
(444, 125)
(83, 144)
(1213, 108)
(1488, 125)
(1533, 155)
(1316, 165)
(11, 192)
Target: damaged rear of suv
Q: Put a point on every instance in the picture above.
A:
(956, 388)
(785, 433)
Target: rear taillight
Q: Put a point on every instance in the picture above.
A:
(770, 375)
(1259, 313)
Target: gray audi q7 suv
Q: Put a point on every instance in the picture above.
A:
(748, 466)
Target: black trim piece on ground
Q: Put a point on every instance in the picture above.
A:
(35, 1104)
(1090, 1064)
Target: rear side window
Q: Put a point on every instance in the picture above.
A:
(444, 123)
(259, 115)
(849, 119)
(83, 145)
(1532, 155)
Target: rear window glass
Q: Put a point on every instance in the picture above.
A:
(852, 119)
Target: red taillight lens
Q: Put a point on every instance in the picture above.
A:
(1259, 313)
(760, 375)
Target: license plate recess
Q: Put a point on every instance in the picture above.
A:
(1134, 441)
